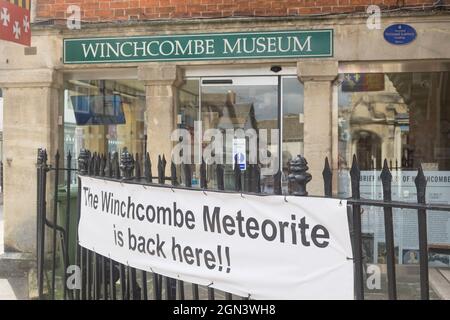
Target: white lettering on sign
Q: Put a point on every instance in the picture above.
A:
(266, 44)
(151, 48)
(196, 47)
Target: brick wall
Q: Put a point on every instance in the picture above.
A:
(111, 10)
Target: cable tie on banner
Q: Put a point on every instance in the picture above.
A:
(209, 285)
(204, 192)
(172, 190)
(285, 198)
(143, 186)
(340, 203)
(348, 258)
(249, 296)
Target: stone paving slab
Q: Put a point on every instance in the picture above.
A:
(13, 280)
(445, 273)
(440, 282)
(14, 289)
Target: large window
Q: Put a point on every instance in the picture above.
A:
(104, 116)
(405, 119)
(401, 117)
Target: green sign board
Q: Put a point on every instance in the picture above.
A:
(214, 46)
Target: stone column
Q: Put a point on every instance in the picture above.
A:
(317, 77)
(161, 82)
(32, 106)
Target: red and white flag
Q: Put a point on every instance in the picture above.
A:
(15, 21)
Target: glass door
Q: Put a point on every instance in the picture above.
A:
(271, 106)
(238, 107)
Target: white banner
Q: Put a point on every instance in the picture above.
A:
(262, 247)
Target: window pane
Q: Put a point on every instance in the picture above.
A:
(104, 116)
(244, 104)
(405, 119)
(292, 122)
(187, 114)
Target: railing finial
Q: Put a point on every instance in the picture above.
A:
(40, 156)
(355, 177)
(126, 163)
(83, 161)
(421, 185)
(298, 176)
(386, 176)
(327, 175)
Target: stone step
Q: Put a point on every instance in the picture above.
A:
(14, 289)
(16, 265)
(445, 273)
(440, 282)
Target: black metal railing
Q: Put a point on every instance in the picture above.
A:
(104, 278)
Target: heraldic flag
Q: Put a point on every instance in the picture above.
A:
(15, 21)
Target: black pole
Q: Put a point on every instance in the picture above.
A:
(355, 175)
(55, 222)
(69, 177)
(43, 181)
(421, 185)
(386, 179)
(327, 179)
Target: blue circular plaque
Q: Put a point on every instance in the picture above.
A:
(400, 34)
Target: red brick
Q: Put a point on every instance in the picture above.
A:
(103, 10)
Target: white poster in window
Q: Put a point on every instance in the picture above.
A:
(240, 153)
(405, 220)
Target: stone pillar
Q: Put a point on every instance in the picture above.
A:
(317, 77)
(32, 106)
(161, 82)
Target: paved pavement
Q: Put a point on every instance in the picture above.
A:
(440, 282)
(11, 288)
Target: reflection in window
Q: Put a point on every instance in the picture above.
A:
(243, 104)
(405, 119)
(104, 116)
(187, 114)
(401, 117)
